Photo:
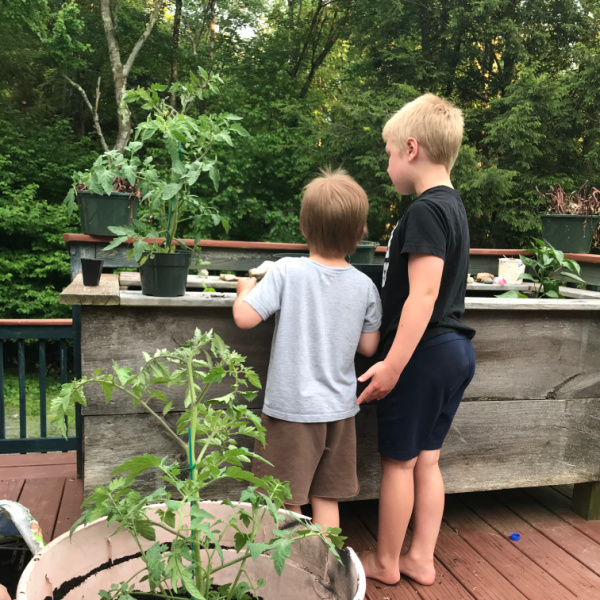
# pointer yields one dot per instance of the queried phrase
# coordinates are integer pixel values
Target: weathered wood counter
(530, 417)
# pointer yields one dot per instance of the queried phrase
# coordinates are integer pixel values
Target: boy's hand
(245, 285)
(383, 379)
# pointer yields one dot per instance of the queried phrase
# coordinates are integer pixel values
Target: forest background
(314, 81)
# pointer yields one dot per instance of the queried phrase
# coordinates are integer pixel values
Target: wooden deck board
(567, 570)
(70, 506)
(446, 585)
(562, 533)
(504, 555)
(42, 497)
(557, 558)
(560, 506)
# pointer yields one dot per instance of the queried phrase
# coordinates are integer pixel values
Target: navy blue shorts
(417, 414)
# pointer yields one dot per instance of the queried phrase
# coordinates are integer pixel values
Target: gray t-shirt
(320, 313)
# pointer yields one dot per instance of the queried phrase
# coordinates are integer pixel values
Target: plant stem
(192, 465)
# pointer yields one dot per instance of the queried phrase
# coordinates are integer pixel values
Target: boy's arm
(368, 343)
(424, 276)
(244, 315)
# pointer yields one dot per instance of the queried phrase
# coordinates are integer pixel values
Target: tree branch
(138, 45)
(93, 109)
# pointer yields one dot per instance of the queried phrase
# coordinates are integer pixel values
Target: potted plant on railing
(572, 219)
(547, 268)
(105, 194)
(171, 543)
(172, 149)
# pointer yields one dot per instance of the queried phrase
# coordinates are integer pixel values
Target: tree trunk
(121, 71)
(175, 47)
(213, 34)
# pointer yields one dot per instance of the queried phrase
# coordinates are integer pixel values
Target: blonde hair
(334, 211)
(434, 122)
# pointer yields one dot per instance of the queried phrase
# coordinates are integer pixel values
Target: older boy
(428, 356)
(326, 311)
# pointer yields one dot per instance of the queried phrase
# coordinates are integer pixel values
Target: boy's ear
(412, 148)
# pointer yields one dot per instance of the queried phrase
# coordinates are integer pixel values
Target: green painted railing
(41, 331)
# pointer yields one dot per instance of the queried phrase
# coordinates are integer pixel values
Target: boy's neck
(328, 261)
(432, 176)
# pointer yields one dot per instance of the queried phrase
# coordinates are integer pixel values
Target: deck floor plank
(11, 489)
(70, 506)
(557, 558)
(562, 507)
(502, 554)
(573, 575)
(446, 585)
(42, 497)
(562, 533)
(26, 460)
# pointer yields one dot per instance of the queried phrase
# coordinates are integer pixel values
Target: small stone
(489, 280)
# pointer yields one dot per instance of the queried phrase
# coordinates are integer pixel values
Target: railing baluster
(64, 377)
(40, 331)
(22, 390)
(42, 379)
(2, 409)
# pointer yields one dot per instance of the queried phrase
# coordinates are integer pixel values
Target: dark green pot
(570, 233)
(364, 253)
(165, 274)
(98, 213)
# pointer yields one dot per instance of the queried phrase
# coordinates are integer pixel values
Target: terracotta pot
(77, 567)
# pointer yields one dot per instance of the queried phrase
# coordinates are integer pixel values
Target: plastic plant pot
(98, 213)
(91, 269)
(570, 233)
(165, 275)
(364, 253)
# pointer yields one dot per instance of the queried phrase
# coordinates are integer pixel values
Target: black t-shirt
(434, 223)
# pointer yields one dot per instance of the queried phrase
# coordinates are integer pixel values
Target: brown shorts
(318, 459)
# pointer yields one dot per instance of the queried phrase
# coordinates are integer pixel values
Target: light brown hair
(434, 122)
(334, 211)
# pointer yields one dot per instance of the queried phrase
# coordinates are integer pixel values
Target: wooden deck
(557, 557)
(47, 485)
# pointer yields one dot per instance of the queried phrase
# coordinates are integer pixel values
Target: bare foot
(375, 570)
(423, 573)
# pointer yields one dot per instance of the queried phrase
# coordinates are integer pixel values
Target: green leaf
(171, 190)
(215, 375)
(108, 390)
(213, 173)
(257, 549)
(146, 530)
(253, 379)
(281, 554)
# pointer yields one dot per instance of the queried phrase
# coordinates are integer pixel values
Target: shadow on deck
(557, 557)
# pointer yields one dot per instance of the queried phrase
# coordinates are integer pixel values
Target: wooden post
(586, 500)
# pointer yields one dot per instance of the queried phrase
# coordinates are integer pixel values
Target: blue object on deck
(515, 537)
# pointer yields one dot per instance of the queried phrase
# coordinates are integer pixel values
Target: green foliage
(206, 431)
(166, 188)
(547, 269)
(316, 81)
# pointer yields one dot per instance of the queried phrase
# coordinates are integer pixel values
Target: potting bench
(529, 417)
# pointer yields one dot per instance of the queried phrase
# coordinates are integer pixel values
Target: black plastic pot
(570, 233)
(91, 269)
(98, 213)
(165, 274)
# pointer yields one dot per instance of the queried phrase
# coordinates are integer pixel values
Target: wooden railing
(42, 331)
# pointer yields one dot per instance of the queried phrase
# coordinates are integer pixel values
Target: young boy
(325, 311)
(428, 356)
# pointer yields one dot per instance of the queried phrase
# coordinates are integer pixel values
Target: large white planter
(77, 567)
